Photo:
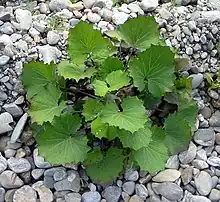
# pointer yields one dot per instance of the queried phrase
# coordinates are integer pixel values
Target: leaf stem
(75, 90)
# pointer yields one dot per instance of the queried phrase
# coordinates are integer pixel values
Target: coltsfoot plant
(115, 102)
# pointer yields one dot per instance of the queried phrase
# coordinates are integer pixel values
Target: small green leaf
(154, 69)
(137, 140)
(36, 76)
(153, 157)
(100, 130)
(132, 118)
(139, 32)
(107, 168)
(60, 143)
(183, 83)
(178, 133)
(84, 41)
(109, 65)
(116, 80)
(45, 105)
(74, 71)
(91, 109)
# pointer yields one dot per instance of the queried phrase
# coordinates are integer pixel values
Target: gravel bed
(38, 30)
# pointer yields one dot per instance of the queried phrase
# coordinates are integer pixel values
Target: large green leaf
(36, 76)
(109, 65)
(60, 143)
(74, 71)
(153, 157)
(106, 169)
(100, 130)
(178, 133)
(45, 105)
(137, 140)
(139, 32)
(84, 41)
(115, 80)
(91, 109)
(132, 118)
(154, 69)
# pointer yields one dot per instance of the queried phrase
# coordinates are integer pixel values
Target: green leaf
(137, 140)
(107, 168)
(115, 80)
(178, 133)
(183, 83)
(36, 76)
(109, 65)
(132, 118)
(74, 71)
(154, 69)
(153, 157)
(60, 143)
(91, 109)
(84, 41)
(139, 32)
(45, 105)
(37, 129)
(100, 130)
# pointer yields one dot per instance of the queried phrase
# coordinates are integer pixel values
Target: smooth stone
(59, 174)
(44, 193)
(58, 5)
(141, 191)
(168, 175)
(49, 182)
(4, 59)
(5, 120)
(214, 195)
(91, 196)
(201, 155)
(187, 156)
(72, 182)
(173, 162)
(211, 16)
(13, 109)
(10, 180)
(196, 80)
(73, 197)
(205, 137)
(200, 164)
(206, 112)
(186, 175)
(25, 194)
(194, 198)
(24, 18)
(39, 160)
(19, 165)
(19, 128)
(3, 163)
(149, 5)
(136, 198)
(203, 183)
(214, 161)
(3, 95)
(93, 17)
(214, 121)
(169, 190)
(128, 187)
(119, 18)
(37, 173)
(131, 175)
(112, 193)
(53, 38)
(2, 194)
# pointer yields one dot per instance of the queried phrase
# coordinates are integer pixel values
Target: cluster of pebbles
(37, 30)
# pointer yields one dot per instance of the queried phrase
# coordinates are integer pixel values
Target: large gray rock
(112, 193)
(141, 191)
(72, 182)
(168, 175)
(24, 18)
(203, 182)
(19, 128)
(211, 16)
(13, 109)
(119, 18)
(194, 198)
(169, 190)
(91, 196)
(44, 193)
(214, 121)
(187, 156)
(5, 120)
(10, 180)
(205, 137)
(19, 165)
(149, 5)
(25, 194)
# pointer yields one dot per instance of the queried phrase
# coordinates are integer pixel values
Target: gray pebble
(129, 187)
(44, 193)
(112, 193)
(214, 195)
(52, 38)
(91, 196)
(215, 119)
(73, 197)
(205, 137)
(214, 161)
(141, 191)
(39, 160)
(10, 180)
(13, 109)
(25, 194)
(131, 175)
(196, 80)
(4, 60)
(37, 173)
(3, 163)
(203, 182)
(19, 165)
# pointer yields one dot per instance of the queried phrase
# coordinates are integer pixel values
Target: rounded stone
(19, 165)
(203, 183)
(25, 194)
(91, 196)
(169, 175)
